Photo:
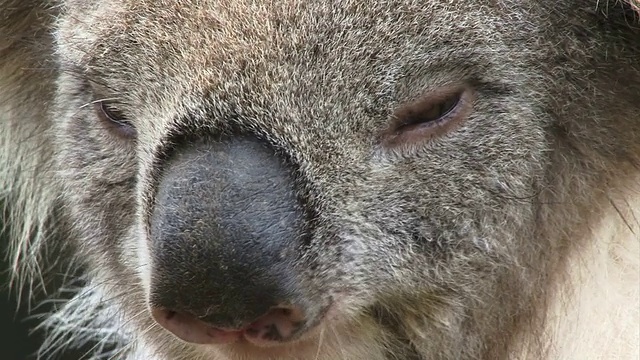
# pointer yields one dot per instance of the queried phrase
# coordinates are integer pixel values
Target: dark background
(15, 342)
(18, 341)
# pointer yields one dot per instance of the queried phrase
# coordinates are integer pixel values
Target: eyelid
(415, 118)
(113, 120)
(406, 131)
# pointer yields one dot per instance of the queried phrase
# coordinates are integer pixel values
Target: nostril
(191, 329)
(279, 324)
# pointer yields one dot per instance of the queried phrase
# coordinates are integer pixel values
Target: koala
(339, 179)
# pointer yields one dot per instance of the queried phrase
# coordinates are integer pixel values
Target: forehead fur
(299, 64)
(288, 58)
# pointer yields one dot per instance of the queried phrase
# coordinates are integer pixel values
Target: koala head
(336, 179)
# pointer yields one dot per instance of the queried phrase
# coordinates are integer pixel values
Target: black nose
(224, 232)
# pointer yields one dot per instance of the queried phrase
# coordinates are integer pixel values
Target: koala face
(329, 179)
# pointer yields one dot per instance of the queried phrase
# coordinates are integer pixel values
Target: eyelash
(115, 121)
(429, 117)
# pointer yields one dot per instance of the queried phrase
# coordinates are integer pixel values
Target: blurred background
(15, 342)
(18, 341)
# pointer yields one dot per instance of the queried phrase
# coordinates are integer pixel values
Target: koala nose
(224, 231)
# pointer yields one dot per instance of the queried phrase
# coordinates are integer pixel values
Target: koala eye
(431, 116)
(114, 120)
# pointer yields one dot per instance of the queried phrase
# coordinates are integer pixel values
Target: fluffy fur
(514, 236)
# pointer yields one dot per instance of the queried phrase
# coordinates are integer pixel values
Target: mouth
(281, 327)
(259, 340)
(246, 346)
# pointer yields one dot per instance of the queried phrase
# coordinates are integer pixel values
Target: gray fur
(447, 249)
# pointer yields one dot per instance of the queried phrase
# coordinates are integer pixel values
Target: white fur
(596, 314)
